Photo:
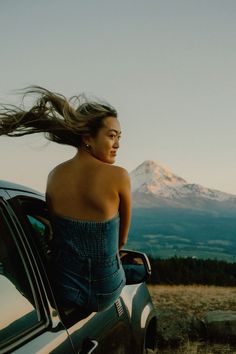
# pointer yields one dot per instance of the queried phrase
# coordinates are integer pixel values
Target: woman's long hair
(57, 117)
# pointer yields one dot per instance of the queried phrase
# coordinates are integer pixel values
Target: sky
(167, 66)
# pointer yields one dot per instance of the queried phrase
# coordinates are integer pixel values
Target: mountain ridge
(156, 186)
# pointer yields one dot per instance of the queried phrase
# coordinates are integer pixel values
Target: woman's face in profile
(105, 144)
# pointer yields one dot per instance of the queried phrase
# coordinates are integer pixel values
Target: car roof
(6, 185)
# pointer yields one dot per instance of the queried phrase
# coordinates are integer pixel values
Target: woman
(88, 198)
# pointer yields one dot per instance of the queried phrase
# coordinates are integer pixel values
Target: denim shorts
(93, 284)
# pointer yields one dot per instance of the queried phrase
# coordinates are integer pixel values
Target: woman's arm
(124, 207)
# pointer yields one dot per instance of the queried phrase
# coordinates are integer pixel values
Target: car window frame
(31, 271)
(19, 204)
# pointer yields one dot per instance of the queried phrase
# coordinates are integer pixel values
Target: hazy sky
(169, 68)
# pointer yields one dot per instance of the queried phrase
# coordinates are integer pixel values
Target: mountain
(154, 186)
(172, 217)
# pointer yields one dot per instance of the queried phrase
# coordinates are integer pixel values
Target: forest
(186, 271)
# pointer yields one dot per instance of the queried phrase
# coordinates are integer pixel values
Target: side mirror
(136, 266)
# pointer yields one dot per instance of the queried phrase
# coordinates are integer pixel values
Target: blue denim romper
(87, 268)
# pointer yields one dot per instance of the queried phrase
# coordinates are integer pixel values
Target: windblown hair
(55, 116)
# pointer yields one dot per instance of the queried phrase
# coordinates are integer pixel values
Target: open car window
(20, 313)
(34, 217)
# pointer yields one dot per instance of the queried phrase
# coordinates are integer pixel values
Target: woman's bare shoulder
(119, 172)
(58, 171)
(114, 168)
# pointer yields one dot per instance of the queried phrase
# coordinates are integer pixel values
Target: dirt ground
(196, 300)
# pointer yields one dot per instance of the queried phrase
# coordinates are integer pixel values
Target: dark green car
(31, 318)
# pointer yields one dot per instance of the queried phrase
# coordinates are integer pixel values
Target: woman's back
(84, 201)
(85, 189)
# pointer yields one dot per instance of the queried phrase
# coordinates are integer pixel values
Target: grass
(196, 300)
(200, 348)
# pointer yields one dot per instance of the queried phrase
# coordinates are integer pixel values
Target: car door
(27, 322)
(110, 329)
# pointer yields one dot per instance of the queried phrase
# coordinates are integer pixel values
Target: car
(32, 319)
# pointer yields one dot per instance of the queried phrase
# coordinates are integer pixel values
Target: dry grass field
(196, 300)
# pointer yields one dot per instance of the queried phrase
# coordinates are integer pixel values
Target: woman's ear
(88, 141)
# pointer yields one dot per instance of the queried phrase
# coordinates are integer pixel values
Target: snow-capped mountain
(154, 185)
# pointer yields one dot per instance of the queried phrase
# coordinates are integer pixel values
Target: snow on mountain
(150, 176)
(154, 185)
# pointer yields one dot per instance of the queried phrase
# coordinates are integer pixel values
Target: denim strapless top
(88, 270)
(97, 240)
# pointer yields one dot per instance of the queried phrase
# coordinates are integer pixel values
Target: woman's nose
(116, 144)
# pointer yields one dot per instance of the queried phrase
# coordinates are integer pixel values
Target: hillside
(165, 232)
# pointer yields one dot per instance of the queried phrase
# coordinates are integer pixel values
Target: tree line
(190, 270)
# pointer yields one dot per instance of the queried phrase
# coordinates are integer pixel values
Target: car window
(42, 232)
(18, 312)
(34, 218)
